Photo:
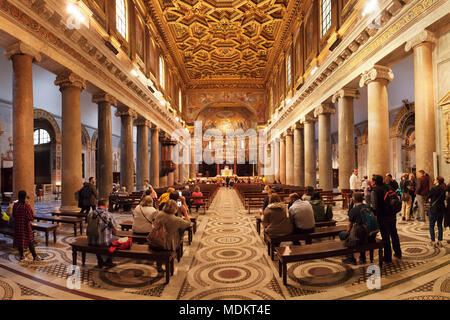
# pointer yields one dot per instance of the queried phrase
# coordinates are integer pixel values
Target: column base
(69, 209)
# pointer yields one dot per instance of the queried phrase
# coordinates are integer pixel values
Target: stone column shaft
(22, 58)
(192, 168)
(299, 157)
(346, 141)
(71, 86)
(155, 157)
(142, 161)
(377, 80)
(105, 171)
(283, 159)
(276, 152)
(422, 45)
(289, 157)
(310, 152)
(171, 174)
(324, 112)
(126, 148)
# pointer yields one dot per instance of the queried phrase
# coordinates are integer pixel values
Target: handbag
(158, 236)
(121, 244)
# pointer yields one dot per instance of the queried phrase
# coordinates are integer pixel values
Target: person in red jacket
(422, 189)
(197, 197)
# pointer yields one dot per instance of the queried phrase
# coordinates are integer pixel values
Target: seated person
(143, 215)
(183, 210)
(197, 198)
(101, 227)
(275, 220)
(318, 207)
(187, 194)
(267, 190)
(123, 192)
(355, 218)
(301, 215)
(164, 197)
(308, 193)
(174, 225)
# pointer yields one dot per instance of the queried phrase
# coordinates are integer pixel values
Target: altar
(226, 172)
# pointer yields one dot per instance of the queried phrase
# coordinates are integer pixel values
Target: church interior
(226, 99)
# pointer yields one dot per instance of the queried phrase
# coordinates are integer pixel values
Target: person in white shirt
(143, 215)
(354, 182)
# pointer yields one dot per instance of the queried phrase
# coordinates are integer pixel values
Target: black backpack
(85, 192)
(392, 202)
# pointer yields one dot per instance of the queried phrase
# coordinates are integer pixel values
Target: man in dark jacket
(87, 196)
(393, 184)
(422, 189)
(386, 220)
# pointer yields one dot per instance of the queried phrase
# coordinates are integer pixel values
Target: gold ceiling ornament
(218, 40)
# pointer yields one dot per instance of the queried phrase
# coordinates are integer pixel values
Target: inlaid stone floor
(227, 260)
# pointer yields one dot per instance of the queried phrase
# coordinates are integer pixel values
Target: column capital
(154, 127)
(420, 38)
(324, 109)
(345, 92)
(298, 125)
(283, 136)
(307, 118)
(142, 122)
(125, 111)
(289, 132)
(376, 73)
(104, 97)
(21, 48)
(70, 79)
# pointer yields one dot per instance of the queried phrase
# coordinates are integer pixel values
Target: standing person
(101, 227)
(23, 234)
(405, 186)
(392, 183)
(422, 189)
(437, 210)
(354, 183)
(386, 220)
(227, 180)
(275, 220)
(197, 198)
(367, 187)
(412, 193)
(88, 196)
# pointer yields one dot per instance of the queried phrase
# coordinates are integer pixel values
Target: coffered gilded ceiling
(222, 40)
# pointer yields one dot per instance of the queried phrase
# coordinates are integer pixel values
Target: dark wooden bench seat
(128, 225)
(75, 214)
(69, 220)
(319, 224)
(44, 227)
(137, 251)
(289, 254)
(273, 242)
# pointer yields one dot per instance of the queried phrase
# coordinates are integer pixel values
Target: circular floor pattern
(235, 254)
(127, 276)
(323, 273)
(227, 224)
(228, 230)
(6, 291)
(420, 251)
(419, 228)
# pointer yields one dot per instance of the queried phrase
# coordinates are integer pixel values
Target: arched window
(288, 71)
(41, 136)
(326, 16)
(161, 72)
(121, 18)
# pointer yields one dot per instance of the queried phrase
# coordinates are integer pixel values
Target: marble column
(22, 58)
(192, 167)
(376, 80)
(105, 171)
(276, 153)
(346, 141)
(283, 158)
(126, 147)
(155, 157)
(142, 161)
(422, 45)
(299, 156)
(171, 174)
(323, 112)
(71, 86)
(310, 150)
(289, 157)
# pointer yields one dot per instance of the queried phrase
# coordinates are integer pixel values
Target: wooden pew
(76, 214)
(137, 251)
(319, 224)
(126, 226)
(290, 254)
(325, 232)
(44, 227)
(69, 220)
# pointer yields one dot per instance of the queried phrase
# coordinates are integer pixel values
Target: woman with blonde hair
(143, 216)
(164, 197)
(174, 225)
(183, 210)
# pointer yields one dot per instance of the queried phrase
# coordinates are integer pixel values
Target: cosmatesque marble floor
(226, 260)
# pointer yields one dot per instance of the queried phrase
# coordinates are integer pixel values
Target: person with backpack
(101, 228)
(320, 212)
(422, 189)
(437, 210)
(405, 186)
(362, 228)
(87, 196)
(386, 204)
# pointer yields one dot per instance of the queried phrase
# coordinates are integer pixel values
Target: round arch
(45, 115)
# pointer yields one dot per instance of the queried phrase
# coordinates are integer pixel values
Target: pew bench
(63, 219)
(319, 224)
(290, 254)
(75, 214)
(128, 225)
(44, 227)
(137, 252)
(325, 232)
